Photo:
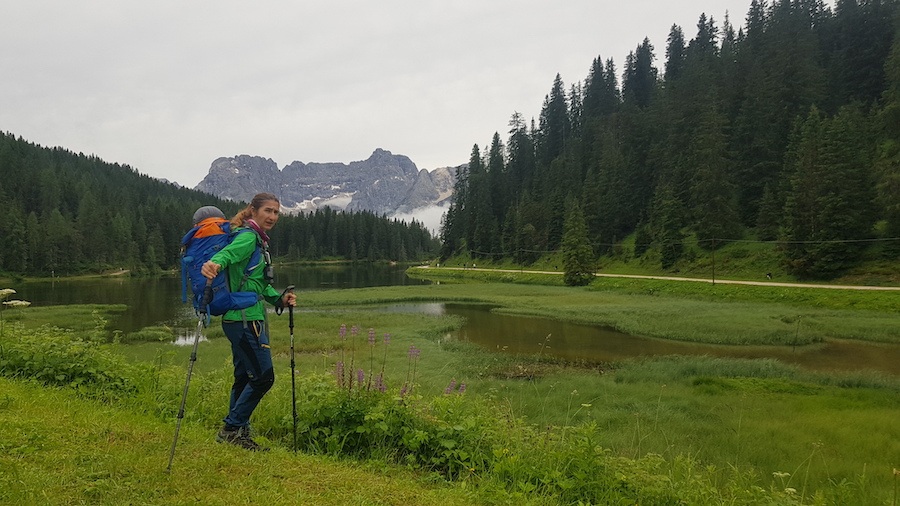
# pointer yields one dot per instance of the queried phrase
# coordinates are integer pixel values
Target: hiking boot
(239, 436)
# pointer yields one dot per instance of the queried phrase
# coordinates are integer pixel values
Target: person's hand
(289, 299)
(210, 269)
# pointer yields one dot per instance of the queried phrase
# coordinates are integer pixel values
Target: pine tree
(498, 182)
(769, 219)
(859, 38)
(520, 164)
(829, 207)
(675, 54)
(554, 123)
(888, 159)
(578, 257)
(481, 224)
(15, 247)
(594, 89)
(639, 81)
(665, 224)
(34, 244)
(713, 194)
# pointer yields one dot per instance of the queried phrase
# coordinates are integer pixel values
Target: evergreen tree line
(786, 129)
(68, 213)
(356, 236)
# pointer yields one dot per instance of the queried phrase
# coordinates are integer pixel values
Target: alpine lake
(158, 301)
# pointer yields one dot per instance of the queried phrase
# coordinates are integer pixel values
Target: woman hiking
(247, 329)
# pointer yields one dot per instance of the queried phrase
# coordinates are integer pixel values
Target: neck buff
(255, 226)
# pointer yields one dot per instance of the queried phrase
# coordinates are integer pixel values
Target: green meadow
(99, 408)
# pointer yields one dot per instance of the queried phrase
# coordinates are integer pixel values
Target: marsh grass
(107, 453)
(77, 317)
(704, 314)
(149, 334)
(695, 429)
(757, 417)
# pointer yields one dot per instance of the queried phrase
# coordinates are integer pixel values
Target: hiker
(248, 329)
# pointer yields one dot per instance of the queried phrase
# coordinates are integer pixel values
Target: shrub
(448, 435)
(57, 357)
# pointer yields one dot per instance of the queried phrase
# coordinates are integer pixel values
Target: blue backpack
(201, 242)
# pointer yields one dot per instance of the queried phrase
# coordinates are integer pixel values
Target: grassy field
(58, 448)
(713, 430)
(719, 314)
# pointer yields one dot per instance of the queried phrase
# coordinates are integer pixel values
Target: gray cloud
(169, 86)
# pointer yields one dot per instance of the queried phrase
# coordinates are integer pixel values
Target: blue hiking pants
(253, 373)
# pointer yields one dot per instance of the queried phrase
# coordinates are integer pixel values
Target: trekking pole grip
(290, 289)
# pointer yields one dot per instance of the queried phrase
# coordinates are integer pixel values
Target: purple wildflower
(379, 383)
(371, 337)
(451, 387)
(414, 352)
(343, 331)
(354, 330)
(339, 373)
(387, 338)
(462, 388)
(360, 376)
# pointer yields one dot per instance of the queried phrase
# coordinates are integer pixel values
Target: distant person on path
(247, 329)
(768, 275)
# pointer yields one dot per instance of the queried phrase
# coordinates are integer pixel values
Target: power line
(699, 241)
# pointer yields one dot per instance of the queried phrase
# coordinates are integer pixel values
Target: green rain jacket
(234, 259)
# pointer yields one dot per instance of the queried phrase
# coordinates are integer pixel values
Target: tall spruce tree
(640, 79)
(675, 54)
(578, 256)
(520, 165)
(829, 208)
(888, 160)
(481, 225)
(554, 123)
(666, 220)
(713, 194)
(498, 185)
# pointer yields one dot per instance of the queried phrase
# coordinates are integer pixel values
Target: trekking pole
(207, 297)
(293, 382)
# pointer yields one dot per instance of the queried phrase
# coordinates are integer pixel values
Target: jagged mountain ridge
(384, 183)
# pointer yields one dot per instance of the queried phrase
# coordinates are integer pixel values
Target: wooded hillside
(68, 213)
(785, 129)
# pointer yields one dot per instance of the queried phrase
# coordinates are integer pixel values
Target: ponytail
(242, 215)
(246, 213)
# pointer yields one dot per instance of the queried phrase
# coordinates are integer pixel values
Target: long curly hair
(258, 201)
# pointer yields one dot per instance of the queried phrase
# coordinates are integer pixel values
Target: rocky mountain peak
(384, 183)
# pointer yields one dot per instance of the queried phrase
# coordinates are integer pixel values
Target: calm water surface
(154, 301)
(527, 335)
(158, 301)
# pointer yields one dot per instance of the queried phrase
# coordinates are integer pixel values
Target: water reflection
(186, 337)
(574, 342)
(157, 301)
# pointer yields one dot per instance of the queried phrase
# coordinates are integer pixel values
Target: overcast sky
(168, 86)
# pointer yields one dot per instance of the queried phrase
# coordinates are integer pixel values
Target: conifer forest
(68, 213)
(784, 128)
